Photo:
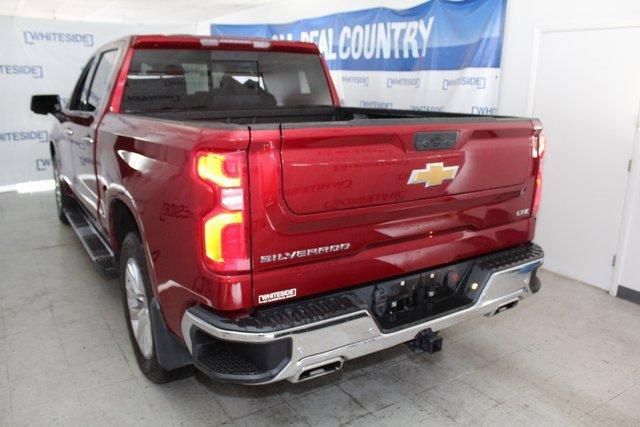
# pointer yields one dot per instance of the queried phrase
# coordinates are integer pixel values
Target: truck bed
(313, 116)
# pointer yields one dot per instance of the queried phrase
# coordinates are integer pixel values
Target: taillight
(540, 145)
(224, 229)
(539, 148)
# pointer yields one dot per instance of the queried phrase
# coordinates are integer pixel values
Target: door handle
(87, 139)
(68, 131)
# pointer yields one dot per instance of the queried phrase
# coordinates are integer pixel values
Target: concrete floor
(570, 355)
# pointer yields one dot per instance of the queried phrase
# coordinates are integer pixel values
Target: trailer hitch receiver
(426, 341)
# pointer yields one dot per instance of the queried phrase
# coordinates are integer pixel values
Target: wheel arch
(122, 221)
(170, 350)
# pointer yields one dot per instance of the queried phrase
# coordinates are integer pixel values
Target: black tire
(132, 249)
(63, 201)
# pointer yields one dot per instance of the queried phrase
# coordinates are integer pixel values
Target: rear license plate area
(397, 303)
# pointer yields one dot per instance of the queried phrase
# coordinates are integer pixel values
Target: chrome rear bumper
(323, 346)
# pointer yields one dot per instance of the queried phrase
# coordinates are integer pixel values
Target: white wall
(287, 11)
(42, 57)
(527, 24)
(524, 16)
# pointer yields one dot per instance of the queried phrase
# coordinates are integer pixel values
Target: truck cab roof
(185, 41)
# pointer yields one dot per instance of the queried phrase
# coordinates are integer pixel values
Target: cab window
(188, 79)
(97, 92)
(75, 101)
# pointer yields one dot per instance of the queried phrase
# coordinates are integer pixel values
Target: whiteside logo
(275, 296)
(305, 253)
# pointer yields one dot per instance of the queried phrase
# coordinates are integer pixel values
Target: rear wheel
(136, 299)
(63, 200)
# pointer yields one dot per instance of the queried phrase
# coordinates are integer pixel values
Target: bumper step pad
(244, 362)
(510, 258)
(229, 363)
(99, 251)
(286, 317)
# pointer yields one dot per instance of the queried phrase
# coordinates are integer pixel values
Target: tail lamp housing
(225, 228)
(539, 149)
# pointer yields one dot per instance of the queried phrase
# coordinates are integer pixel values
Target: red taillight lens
(540, 146)
(225, 227)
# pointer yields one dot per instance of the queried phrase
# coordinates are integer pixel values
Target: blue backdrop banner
(437, 35)
(442, 55)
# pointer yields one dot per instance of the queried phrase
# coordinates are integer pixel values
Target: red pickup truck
(262, 232)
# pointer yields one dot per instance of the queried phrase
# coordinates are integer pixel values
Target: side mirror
(45, 104)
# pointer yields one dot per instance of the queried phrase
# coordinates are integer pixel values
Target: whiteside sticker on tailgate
(275, 296)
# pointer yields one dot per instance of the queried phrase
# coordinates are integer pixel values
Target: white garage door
(587, 95)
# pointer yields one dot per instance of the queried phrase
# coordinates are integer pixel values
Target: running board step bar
(101, 254)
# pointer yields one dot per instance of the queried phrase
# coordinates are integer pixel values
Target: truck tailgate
(326, 170)
(340, 204)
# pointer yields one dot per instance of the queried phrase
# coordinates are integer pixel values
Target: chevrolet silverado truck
(263, 232)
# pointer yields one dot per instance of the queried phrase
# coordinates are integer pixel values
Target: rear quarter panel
(148, 165)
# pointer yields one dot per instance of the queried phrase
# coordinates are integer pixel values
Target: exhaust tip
(321, 370)
(506, 307)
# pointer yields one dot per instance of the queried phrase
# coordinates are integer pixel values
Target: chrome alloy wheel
(138, 308)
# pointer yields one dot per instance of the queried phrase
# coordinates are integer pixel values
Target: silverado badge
(433, 174)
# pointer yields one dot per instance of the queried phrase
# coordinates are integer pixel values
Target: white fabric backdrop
(44, 57)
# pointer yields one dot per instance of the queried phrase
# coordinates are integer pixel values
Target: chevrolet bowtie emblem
(433, 174)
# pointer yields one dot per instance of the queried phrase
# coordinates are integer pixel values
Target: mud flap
(171, 353)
